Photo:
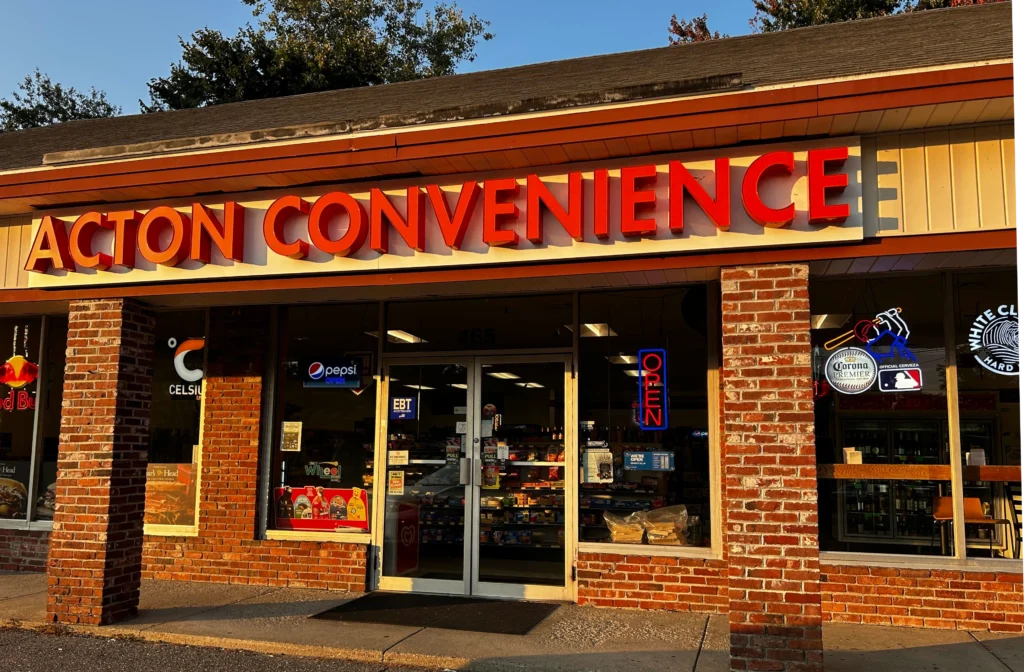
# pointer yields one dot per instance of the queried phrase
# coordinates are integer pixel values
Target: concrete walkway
(275, 620)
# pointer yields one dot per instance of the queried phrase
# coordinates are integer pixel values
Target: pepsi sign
(344, 373)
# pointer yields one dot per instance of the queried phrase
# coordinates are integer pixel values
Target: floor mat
(443, 611)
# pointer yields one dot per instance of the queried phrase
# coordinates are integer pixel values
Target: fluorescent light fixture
(418, 387)
(594, 330)
(502, 375)
(622, 359)
(633, 373)
(399, 336)
(461, 386)
(829, 320)
(530, 386)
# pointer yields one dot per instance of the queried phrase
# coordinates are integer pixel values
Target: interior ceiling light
(622, 359)
(399, 336)
(461, 386)
(633, 373)
(419, 387)
(530, 386)
(829, 320)
(594, 330)
(502, 375)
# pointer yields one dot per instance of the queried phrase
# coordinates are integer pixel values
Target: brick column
(769, 473)
(95, 559)
(231, 423)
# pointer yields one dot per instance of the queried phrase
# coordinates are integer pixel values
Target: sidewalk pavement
(275, 620)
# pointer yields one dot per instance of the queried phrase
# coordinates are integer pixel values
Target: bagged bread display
(667, 526)
(625, 529)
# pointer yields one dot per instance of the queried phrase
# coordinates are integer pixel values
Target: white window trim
(325, 537)
(23, 525)
(930, 563)
(696, 552)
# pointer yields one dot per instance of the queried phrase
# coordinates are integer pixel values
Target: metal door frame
(471, 585)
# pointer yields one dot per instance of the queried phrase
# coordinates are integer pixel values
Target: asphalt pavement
(32, 651)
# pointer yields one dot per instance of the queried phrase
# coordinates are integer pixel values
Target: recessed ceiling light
(622, 359)
(530, 386)
(419, 387)
(829, 320)
(594, 330)
(633, 373)
(399, 336)
(503, 375)
(461, 386)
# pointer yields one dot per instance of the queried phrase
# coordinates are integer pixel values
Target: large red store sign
(781, 197)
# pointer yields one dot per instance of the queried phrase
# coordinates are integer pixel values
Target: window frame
(33, 478)
(713, 343)
(160, 530)
(960, 558)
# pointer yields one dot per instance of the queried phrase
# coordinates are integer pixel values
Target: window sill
(938, 562)
(650, 550)
(171, 530)
(34, 526)
(336, 537)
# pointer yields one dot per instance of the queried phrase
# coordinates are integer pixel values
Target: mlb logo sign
(403, 408)
(900, 380)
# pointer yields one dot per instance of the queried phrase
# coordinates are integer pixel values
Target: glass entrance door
(475, 476)
(427, 477)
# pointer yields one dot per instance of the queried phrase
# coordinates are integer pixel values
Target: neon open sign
(653, 390)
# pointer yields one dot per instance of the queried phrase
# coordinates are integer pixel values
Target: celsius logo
(189, 345)
(316, 370)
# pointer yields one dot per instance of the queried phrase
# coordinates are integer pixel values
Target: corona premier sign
(780, 197)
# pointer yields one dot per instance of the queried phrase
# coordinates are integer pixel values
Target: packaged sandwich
(625, 529)
(667, 526)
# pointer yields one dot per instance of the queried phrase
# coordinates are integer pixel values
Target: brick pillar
(769, 473)
(231, 422)
(95, 559)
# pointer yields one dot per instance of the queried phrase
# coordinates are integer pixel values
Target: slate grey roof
(923, 39)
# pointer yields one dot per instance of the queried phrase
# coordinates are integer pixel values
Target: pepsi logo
(316, 370)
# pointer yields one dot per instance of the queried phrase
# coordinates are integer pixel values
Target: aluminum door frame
(404, 584)
(526, 591)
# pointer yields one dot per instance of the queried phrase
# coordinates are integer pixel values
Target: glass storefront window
(172, 475)
(322, 460)
(508, 323)
(19, 386)
(642, 486)
(51, 396)
(987, 360)
(879, 362)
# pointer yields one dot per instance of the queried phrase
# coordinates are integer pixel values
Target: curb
(253, 645)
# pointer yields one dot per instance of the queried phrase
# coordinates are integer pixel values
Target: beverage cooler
(900, 512)
(891, 511)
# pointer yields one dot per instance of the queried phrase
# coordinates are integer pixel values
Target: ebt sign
(806, 193)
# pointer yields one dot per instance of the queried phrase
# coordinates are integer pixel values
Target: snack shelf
(484, 523)
(502, 508)
(527, 463)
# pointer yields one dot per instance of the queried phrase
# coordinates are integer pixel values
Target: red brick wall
(769, 471)
(23, 550)
(95, 559)
(923, 598)
(227, 550)
(645, 582)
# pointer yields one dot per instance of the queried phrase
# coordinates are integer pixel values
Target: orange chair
(942, 512)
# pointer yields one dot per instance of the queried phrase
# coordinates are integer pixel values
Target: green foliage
(42, 102)
(303, 46)
(771, 16)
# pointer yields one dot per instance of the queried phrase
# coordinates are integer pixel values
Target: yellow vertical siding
(15, 238)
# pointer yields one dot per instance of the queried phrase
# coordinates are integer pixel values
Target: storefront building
(726, 328)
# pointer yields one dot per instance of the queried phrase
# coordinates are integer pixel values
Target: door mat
(443, 611)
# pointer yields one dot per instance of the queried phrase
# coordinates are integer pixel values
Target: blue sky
(118, 45)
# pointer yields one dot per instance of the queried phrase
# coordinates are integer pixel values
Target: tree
(304, 46)
(42, 102)
(694, 30)
(771, 16)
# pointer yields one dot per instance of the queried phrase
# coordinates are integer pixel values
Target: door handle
(465, 471)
